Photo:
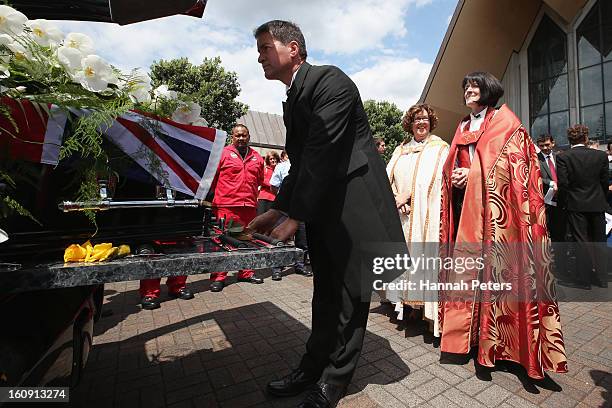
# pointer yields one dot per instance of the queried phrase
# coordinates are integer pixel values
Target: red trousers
(243, 215)
(150, 287)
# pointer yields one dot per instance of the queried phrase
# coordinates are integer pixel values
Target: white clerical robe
(415, 171)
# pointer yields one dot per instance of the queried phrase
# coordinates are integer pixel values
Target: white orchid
(19, 51)
(80, 42)
(187, 113)
(200, 122)
(45, 33)
(95, 74)
(70, 58)
(140, 91)
(11, 21)
(162, 91)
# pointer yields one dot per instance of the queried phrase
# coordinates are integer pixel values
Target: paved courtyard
(220, 350)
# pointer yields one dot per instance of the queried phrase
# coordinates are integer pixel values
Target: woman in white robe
(415, 173)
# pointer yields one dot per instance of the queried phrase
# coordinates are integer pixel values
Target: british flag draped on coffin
(144, 151)
(181, 157)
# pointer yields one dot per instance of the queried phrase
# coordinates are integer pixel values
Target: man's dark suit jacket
(545, 170)
(337, 183)
(583, 179)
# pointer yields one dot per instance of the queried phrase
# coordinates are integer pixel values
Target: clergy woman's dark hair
(285, 32)
(490, 87)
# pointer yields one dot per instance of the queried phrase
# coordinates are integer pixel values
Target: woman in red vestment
(493, 208)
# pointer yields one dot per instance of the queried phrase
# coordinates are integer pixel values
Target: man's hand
(553, 185)
(265, 222)
(459, 177)
(286, 230)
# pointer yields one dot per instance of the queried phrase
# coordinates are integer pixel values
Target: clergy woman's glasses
(421, 119)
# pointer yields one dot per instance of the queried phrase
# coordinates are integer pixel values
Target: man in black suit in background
(338, 186)
(556, 218)
(583, 183)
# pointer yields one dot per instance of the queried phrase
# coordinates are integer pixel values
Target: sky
(386, 46)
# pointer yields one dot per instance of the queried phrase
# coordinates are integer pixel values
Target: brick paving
(220, 350)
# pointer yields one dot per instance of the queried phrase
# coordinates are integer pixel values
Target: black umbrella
(109, 11)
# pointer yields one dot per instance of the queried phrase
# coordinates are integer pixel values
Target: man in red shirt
(236, 184)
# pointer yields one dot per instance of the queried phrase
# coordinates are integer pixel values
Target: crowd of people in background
(244, 186)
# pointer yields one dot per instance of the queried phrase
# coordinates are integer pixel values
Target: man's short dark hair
(545, 138)
(237, 125)
(378, 141)
(285, 32)
(490, 87)
(578, 134)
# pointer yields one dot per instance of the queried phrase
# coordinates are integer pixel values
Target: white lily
(80, 42)
(187, 113)
(200, 122)
(95, 74)
(162, 91)
(140, 91)
(45, 33)
(70, 58)
(11, 21)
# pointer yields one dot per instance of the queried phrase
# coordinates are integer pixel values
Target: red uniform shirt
(266, 192)
(237, 180)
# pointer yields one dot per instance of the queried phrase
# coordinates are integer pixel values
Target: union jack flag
(181, 157)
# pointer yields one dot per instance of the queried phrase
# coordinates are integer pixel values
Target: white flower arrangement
(37, 51)
(39, 63)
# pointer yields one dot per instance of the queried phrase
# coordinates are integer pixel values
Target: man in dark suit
(583, 183)
(556, 218)
(338, 186)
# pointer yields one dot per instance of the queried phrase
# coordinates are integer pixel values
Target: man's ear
(295, 49)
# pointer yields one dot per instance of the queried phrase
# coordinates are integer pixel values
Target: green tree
(385, 121)
(209, 84)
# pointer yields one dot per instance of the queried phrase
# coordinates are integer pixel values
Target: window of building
(594, 43)
(548, 82)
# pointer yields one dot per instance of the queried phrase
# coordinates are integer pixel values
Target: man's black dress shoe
(217, 286)
(302, 271)
(575, 285)
(599, 283)
(252, 279)
(292, 384)
(183, 293)
(323, 395)
(149, 303)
